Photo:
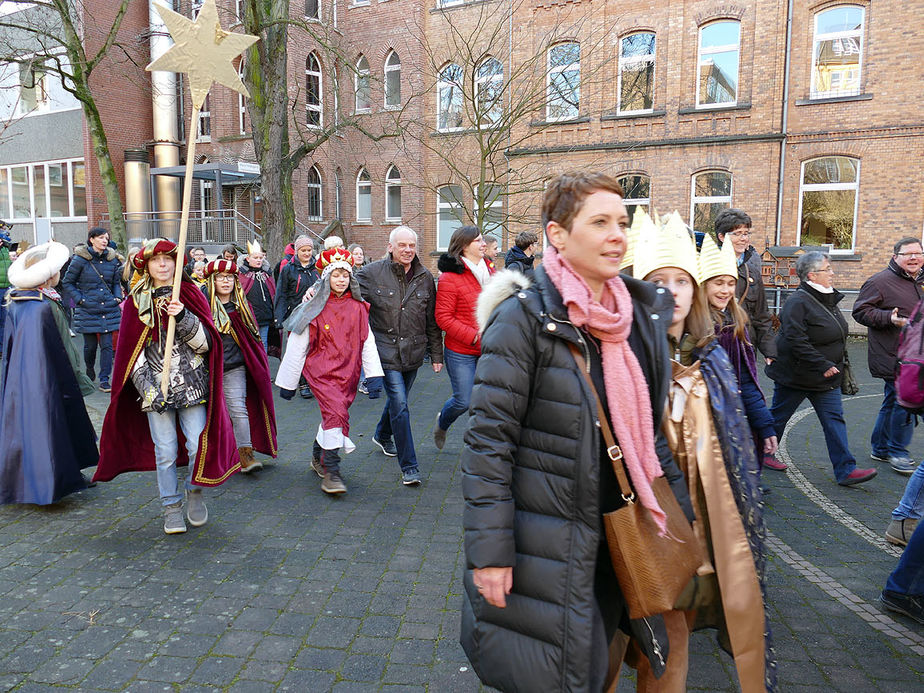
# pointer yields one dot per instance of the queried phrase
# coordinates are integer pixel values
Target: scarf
(480, 270)
(610, 321)
(819, 288)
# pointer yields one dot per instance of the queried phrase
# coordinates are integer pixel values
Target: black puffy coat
(294, 280)
(94, 282)
(812, 338)
(531, 476)
(752, 295)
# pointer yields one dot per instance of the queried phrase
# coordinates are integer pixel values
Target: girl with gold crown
(709, 436)
(257, 282)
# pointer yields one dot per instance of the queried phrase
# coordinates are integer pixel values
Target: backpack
(909, 365)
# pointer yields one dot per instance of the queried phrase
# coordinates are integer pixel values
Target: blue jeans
(264, 335)
(461, 369)
(166, 442)
(396, 419)
(908, 577)
(911, 506)
(104, 340)
(830, 411)
(894, 426)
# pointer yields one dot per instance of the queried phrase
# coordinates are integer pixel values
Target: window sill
(834, 99)
(454, 131)
(235, 138)
(393, 108)
(456, 5)
(845, 256)
(363, 222)
(569, 121)
(362, 111)
(629, 116)
(689, 110)
(393, 221)
(359, 4)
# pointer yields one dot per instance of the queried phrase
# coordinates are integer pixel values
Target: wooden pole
(181, 241)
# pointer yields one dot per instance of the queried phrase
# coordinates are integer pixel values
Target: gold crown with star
(670, 245)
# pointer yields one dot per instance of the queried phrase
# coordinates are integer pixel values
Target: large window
(393, 195)
(637, 187)
(315, 195)
(449, 213)
(449, 98)
(837, 53)
(564, 82)
(392, 80)
(312, 9)
(241, 103)
(712, 192)
(489, 86)
(636, 73)
(828, 207)
(362, 85)
(314, 115)
(363, 196)
(34, 86)
(204, 130)
(54, 189)
(719, 48)
(493, 203)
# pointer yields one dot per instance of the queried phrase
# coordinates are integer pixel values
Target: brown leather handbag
(652, 570)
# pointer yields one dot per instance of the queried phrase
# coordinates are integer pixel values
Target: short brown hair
(907, 240)
(565, 195)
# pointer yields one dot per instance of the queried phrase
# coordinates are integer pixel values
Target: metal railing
(206, 226)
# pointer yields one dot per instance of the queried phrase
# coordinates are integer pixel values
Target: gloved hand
(286, 394)
(159, 404)
(375, 386)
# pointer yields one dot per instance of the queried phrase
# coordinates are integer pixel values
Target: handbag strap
(613, 451)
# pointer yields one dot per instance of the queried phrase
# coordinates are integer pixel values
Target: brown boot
(248, 463)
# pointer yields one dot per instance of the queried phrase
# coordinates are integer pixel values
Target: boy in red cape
(247, 386)
(142, 429)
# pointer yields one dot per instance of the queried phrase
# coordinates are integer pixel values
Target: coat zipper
(654, 641)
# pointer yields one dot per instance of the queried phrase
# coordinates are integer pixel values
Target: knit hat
(218, 266)
(150, 248)
(714, 262)
(37, 265)
(334, 258)
(301, 242)
(333, 242)
(668, 246)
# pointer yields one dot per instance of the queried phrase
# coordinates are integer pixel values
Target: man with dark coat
(522, 255)
(884, 303)
(402, 297)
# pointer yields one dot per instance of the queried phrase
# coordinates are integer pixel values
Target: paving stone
(301, 680)
(217, 670)
(112, 673)
(326, 659)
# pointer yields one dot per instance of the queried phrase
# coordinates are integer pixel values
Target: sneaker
(902, 465)
(105, 387)
(333, 484)
(305, 392)
(439, 435)
(900, 531)
(858, 476)
(362, 388)
(196, 512)
(771, 462)
(411, 478)
(173, 518)
(910, 606)
(878, 458)
(317, 466)
(388, 447)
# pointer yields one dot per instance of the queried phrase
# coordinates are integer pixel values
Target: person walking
(883, 305)
(904, 590)
(94, 283)
(811, 348)
(402, 296)
(260, 289)
(522, 255)
(295, 279)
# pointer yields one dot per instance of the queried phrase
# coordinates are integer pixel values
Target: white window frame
(486, 80)
(239, 10)
(637, 201)
(319, 106)
(632, 62)
(443, 84)
(367, 185)
(315, 17)
(450, 3)
(440, 206)
(319, 188)
(856, 34)
(550, 71)
(498, 203)
(360, 3)
(700, 53)
(42, 105)
(205, 116)
(362, 73)
(392, 182)
(241, 103)
(194, 7)
(30, 182)
(709, 199)
(392, 68)
(823, 187)
(333, 13)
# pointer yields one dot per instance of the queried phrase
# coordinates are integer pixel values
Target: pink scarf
(627, 393)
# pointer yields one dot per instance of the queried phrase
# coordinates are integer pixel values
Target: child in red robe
(330, 342)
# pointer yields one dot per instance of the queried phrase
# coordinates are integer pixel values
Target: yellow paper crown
(714, 262)
(668, 246)
(632, 238)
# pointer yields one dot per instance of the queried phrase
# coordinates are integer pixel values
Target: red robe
(126, 444)
(260, 409)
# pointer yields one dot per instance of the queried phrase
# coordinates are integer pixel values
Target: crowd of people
(625, 322)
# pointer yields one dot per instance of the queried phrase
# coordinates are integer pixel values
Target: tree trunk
(107, 174)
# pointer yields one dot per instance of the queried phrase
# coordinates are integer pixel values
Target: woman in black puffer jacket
(93, 281)
(541, 603)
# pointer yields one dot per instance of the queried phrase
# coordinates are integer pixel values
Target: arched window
(637, 187)
(828, 201)
(363, 196)
(837, 55)
(719, 50)
(392, 80)
(449, 213)
(489, 86)
(315, 197)
(449, 98)
(492, 202)
(712, 192)
(314, 111)
(393, 195)
(312, 9)
(241, 102)
(362, 85)
(636, 73)
(564, 82)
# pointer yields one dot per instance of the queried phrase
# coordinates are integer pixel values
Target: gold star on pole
(203, 50)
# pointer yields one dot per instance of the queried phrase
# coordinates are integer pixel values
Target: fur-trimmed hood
(502, 286)
(83, 250)
(450, 263)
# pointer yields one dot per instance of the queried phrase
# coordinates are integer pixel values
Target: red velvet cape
(260, 409)
(126, 444)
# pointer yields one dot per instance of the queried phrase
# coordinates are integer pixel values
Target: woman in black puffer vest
(93, 281)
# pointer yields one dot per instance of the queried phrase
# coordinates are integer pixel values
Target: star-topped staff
(204, 52)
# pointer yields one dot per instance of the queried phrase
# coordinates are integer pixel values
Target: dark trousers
(396, 419)
(330, 459)
(90, 342)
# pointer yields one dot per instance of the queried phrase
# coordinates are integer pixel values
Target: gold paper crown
(254, 247)
(632, 238)
(714, 262)
(668, 246)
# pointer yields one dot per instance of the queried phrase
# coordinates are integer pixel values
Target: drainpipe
(166, 136)
(137, 195)
(784, 125)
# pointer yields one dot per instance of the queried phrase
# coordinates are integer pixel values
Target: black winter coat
(752, 295)
(531, 476)
(294, 280)
(518, 260)
(812, 338)
(885, 290)
(94, 283)
(401, 313)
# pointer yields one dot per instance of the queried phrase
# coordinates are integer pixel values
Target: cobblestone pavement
(286, 589)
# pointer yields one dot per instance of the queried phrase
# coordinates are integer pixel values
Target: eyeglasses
(825, 269)
(740, 234)
(911, 255)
